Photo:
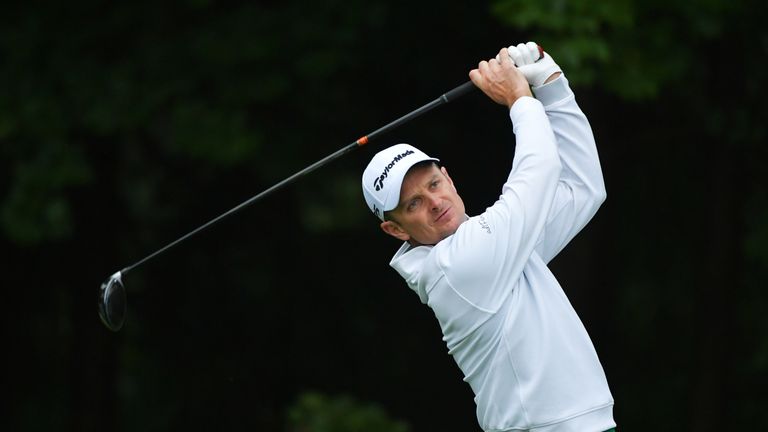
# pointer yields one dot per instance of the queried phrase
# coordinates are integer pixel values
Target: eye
(434, 184)
(414, 204)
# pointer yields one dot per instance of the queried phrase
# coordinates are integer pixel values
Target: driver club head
(112, 303)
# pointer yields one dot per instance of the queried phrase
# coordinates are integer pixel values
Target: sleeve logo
(484, 224)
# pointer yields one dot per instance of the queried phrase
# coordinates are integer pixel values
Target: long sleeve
(581, 189)
(505, 319)
(498, 243)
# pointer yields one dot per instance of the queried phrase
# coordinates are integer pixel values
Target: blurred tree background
(125, 125)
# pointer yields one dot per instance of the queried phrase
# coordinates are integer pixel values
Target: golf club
(112, 296)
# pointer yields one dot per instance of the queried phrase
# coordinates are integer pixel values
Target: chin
(448, 233)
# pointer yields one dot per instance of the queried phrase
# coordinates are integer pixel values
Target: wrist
(554, 91)
(518, 93)
(520, 102)
(522, 108)
(553, 77)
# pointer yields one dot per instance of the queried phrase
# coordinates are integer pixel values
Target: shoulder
(468, 255)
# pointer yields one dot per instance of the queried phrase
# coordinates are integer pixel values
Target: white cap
(384, 176)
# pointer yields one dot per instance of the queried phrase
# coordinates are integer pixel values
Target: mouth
(441, 217)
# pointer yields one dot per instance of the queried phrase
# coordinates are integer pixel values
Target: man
(504, 317)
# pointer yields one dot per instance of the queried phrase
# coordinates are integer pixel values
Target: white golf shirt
(504, 317)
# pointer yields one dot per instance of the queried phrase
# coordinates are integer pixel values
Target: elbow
(599, 195)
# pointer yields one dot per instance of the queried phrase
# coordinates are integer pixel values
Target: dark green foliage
(125, 124)
(314, 412)
(689, 196)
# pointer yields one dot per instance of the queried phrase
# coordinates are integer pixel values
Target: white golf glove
(535, 70)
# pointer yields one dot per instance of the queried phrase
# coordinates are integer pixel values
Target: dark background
(123, 125)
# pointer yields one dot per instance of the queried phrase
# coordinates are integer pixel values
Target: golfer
(504, 317)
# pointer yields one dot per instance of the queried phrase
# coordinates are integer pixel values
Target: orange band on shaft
(362, 141)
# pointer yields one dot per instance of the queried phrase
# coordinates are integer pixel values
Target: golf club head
(112, 304)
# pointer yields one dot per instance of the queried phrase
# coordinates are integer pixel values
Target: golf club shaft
(443, 99)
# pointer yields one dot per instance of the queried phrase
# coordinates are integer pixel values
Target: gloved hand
(535, 70)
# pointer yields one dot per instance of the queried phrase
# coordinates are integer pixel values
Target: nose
(435, 203)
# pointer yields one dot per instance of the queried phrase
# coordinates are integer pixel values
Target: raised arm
(526, 196)
(580, 189)
(488, 253)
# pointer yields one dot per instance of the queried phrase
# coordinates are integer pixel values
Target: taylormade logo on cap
(384, 176)
(379, 182)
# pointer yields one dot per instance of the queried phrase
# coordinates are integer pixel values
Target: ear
(395, 230)
(450, 181)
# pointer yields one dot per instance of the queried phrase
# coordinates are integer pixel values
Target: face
(430, 209)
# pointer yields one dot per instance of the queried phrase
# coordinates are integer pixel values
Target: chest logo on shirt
(484, 224)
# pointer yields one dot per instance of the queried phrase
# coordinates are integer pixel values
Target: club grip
(458, 91)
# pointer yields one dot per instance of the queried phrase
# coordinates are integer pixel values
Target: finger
(477, 78)
(494, 64)
(525, 53)
(516, 56)
(504, 57)
(533, 48)
(483, 68)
